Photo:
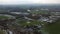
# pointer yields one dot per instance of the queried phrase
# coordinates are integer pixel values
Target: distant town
(28, 19)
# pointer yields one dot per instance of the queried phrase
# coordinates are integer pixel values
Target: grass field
(4, 17)
(25, 22)
(40, 12)
(53, 28)
(2, 32)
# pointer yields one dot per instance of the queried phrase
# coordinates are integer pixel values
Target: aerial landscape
(28, 18)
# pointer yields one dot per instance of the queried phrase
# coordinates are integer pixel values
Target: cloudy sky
(29, 1)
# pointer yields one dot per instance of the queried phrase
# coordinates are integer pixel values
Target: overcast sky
(29, 1)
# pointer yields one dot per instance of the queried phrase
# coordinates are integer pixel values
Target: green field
(53, 28)
(4, 17)
(2, 32)
(24, 22)
(40, 12)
